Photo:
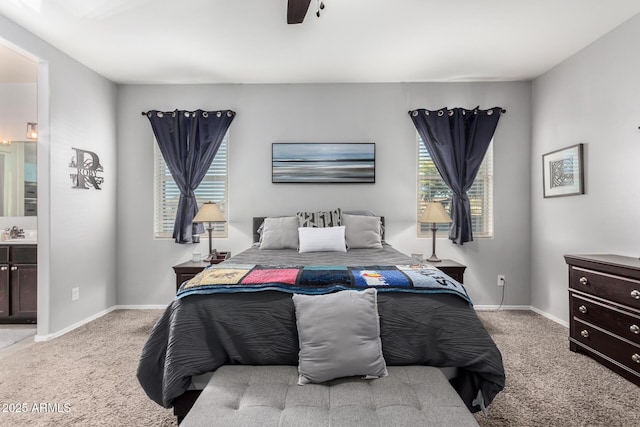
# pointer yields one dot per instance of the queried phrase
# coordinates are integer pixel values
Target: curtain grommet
(450, 113)
(219, 114)
(229, 114)
(489, 112)
(440, 113)
(426, 112)
(205, 114)
(414, 113)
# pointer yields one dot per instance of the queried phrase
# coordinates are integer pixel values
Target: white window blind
(213, 188)
(432, 187)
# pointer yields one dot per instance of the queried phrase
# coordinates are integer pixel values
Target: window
(212, 188)
(432, 187)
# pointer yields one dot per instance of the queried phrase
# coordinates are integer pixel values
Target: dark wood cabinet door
(24, 290)
(4, 290)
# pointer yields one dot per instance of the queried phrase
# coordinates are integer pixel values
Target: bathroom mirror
(18, 186)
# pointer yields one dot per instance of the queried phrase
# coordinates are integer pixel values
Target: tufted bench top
(243, 396)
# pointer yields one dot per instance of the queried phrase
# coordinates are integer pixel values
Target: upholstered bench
(265, 396)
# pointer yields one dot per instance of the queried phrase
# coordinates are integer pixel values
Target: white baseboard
(522, 307)
(48, 337)
(501, 307)
(140, 307)
(550, 317)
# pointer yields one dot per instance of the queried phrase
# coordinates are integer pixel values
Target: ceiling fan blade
(296, 11)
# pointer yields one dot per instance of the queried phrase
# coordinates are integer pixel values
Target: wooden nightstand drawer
(451, 268)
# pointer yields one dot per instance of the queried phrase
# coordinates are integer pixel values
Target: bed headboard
(258, 220)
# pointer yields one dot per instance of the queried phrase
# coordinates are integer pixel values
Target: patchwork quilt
(315, 280)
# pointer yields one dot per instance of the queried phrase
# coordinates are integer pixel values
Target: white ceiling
(249, 41)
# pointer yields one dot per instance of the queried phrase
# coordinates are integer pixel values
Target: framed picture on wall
(323, 162)
(563, 172)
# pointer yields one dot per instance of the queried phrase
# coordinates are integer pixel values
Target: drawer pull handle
(585, 334)
(635, 329)
(582, 309)
(584, 280)
(14, 268)
(4, 268)
(635, 294)
(636, 357)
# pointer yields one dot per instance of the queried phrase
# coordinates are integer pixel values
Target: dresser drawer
(622, 351)
(612, 318)
(614, 288)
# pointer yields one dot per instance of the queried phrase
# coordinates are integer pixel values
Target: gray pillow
(362, 232)
(339, 336)
(279, 233)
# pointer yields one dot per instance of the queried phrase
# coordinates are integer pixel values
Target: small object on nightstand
(196, 257)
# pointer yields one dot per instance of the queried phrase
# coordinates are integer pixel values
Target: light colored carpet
(10, 334)
(92, 371)
(548, 385)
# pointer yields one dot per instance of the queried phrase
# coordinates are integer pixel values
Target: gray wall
(76, 228)
(324, 113)
(591, 98)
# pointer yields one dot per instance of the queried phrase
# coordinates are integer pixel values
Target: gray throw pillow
(339, 336)
(279, 233)
(362, 232)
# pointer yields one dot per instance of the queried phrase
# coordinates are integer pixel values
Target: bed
(201, 331)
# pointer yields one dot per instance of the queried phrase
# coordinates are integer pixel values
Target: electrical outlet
(75, 294)
(501, 280)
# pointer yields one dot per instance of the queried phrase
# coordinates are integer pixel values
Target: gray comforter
(199, 333)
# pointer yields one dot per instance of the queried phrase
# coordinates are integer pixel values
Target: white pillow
(326, 239)
(279, 233)
(339, 336)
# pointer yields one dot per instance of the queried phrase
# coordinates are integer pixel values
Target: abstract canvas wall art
(324, 163)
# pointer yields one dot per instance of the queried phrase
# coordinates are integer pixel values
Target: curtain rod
(145, 113)
(502, 110)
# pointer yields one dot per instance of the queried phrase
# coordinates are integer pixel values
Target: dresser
(604, 311)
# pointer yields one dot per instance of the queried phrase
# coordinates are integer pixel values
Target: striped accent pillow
(320, 219)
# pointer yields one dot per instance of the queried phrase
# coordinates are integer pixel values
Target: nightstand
(450, 267)
(187, 270)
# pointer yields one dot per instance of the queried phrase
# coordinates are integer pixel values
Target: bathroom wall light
(32, 130)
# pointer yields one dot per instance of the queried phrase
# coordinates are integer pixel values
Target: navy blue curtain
(189, 140)
(457, 140)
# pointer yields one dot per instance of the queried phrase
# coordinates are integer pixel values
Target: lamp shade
(434, 213)
(209, 212)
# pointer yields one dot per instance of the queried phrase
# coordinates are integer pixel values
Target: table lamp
(210, 212)
(434, 213)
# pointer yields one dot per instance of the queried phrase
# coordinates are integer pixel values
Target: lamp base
(213, 255)
(434, 258)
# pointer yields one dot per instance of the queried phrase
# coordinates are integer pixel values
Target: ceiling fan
(297, 10)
